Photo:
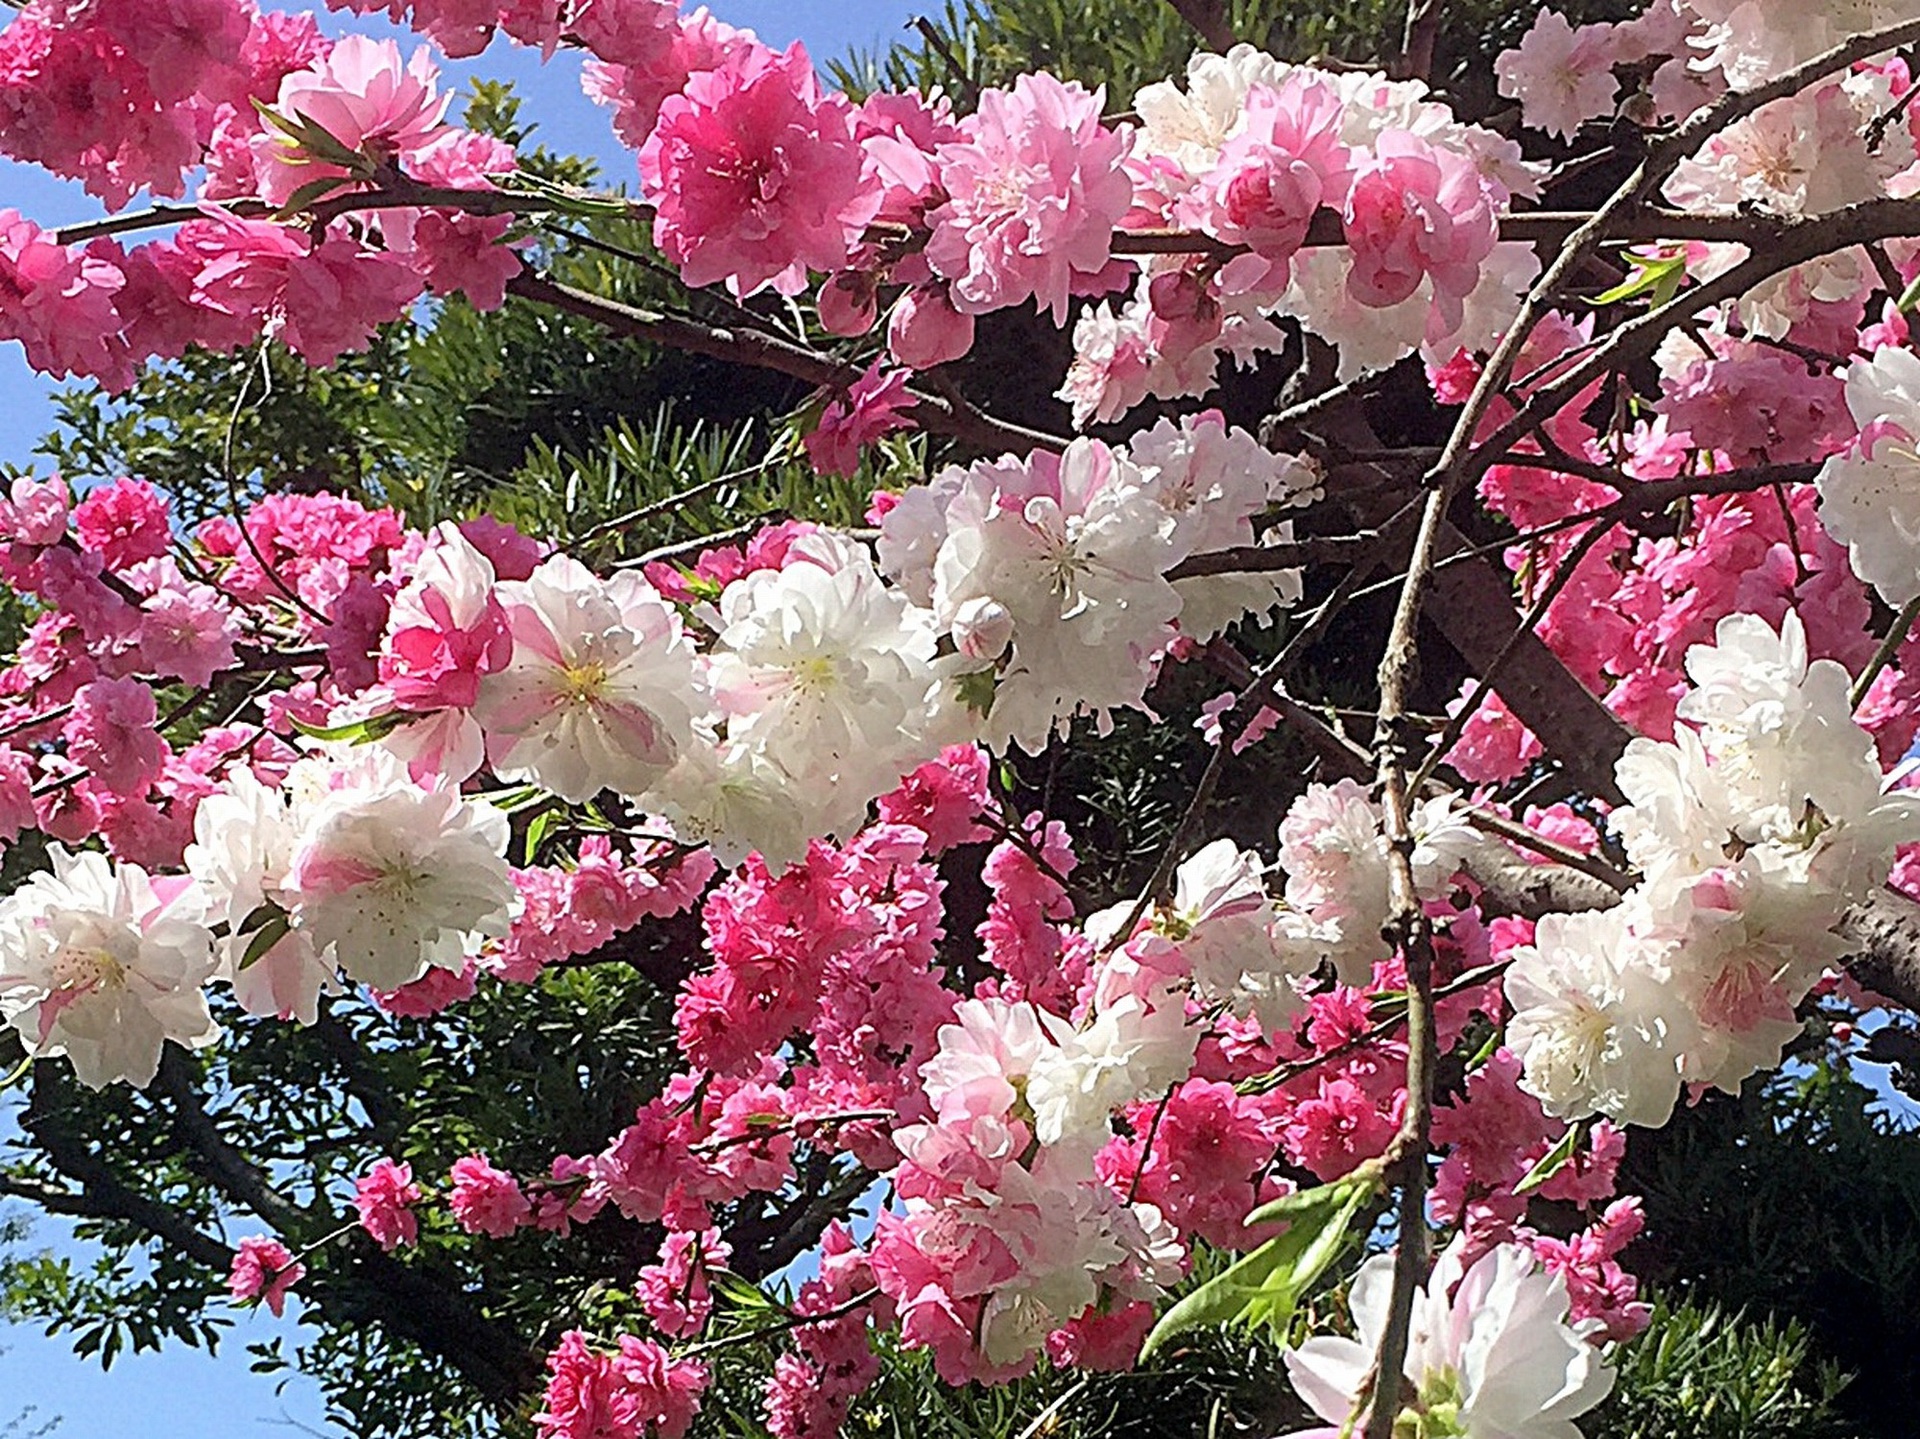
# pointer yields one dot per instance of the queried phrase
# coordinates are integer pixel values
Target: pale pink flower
(1275, 173)
(364, 96)
(925, 329)
(1561, 76)
(1417, 211)
(1036, 185)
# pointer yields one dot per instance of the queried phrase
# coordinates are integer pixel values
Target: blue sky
(182, 1392)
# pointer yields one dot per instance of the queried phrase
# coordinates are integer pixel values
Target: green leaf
(537, 830)
(360, 731)
(1265, 1286)
(739, 1291)
(1657, 275)
(311, 193)
(1909, 299)
(1553, 1161)
(265, 938)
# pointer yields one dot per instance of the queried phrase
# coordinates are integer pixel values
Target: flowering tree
(1609, 428)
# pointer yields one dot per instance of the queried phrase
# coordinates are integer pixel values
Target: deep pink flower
(58, 301)
(1036, 185)
(432, 992)
(384, 1198)
(264, 1269)
(874, 406)
(635, 93)
(485, 1200)
(755, 176)
(124, 522)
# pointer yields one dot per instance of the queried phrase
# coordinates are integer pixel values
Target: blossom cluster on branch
(297, 751)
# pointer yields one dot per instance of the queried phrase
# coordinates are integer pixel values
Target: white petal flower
(1870, 495)
(1075, 550)
(244, 840)
(1491, 1353)
(97, 965)
(601, 689)
(1598, 1024)
(828, 672)
(390, 877)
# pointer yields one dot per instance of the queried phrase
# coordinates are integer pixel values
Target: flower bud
(925, 330)
(848, 304)
(982, 629)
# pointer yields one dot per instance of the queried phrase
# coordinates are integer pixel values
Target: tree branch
(226, 1166)
(937, 414)
(1209, 20)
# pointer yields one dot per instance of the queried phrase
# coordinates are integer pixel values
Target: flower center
(581, 684)
(85, 971)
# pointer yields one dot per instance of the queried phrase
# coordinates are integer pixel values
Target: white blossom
(244, 842)
(1870, 495)
(1491, 1351)
(1334, 851)
(601, 690)
(390, 877)
(101, 965)
(829, 673)
(1598, 1024)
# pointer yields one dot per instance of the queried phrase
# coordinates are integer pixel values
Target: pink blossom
(96, 92)
(124, 522)
(384, 1198)
(436, 990)
(1107, 1341)
(112, 734)
(58, 301)
(187, 629)
(264, 1269)
(755, 175)
(872, 407)
(364, 96)
(639, 1391)
(1417, 211)
(942, 798)
(339, 294)
(485, 1200)
(1035, 187)
(1275, 172)
(924, 330)
(1596, 1284)
(636, 92)
(35, 512)
(513, 555)
(676, 1292)
(1561, 76)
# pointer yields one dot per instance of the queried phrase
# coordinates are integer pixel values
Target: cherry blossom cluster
(1752, 829)
(297, 752)
(265, 114)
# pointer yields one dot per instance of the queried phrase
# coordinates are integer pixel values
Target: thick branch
(1884, 930)
(1209, 20)
(935, 413)
(102, 1193)
(226, 1166)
